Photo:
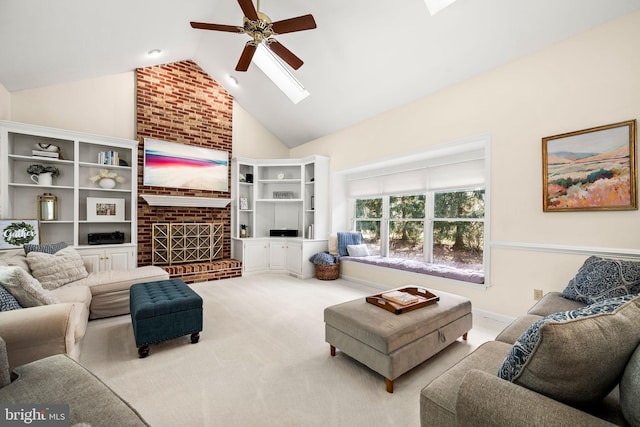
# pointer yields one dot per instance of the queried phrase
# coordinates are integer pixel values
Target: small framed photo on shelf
(106, 210)
(244, 203)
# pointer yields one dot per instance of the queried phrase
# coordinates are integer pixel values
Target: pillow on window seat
(346, 238)
(358, 250)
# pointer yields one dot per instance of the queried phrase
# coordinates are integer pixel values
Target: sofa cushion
(7, 301)
(602, 278)
(553, 302)
(55, 270)
(576, 356)
(25, 288)
(49, 248)
(74, 294)
(630, 390)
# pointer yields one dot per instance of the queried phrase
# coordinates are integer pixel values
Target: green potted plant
(243, 230)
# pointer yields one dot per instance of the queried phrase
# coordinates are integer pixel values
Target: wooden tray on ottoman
(425, 298)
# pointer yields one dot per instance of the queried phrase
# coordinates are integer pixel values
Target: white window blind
(414, 178)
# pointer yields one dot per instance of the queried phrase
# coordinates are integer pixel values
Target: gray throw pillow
(602, 278)
(7, 301)
(630, 390)
(576, 356)
(49, 248)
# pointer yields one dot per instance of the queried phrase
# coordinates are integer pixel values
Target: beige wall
(5, 103)
(103, 106)
(251, 139)
(589, 80)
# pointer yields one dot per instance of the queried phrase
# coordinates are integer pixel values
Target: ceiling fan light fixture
(435, 6)
(273, 67)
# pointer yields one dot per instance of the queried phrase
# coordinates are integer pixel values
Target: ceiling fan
(261, 29)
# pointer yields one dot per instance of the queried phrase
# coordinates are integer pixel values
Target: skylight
(436, 6)
(276, 70)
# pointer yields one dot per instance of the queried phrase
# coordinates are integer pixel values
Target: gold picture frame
(591, 169)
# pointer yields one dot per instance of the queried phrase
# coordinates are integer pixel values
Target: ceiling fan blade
(248, 9)
(285, 54)
(245, 57)
(217, 27)
(301, 23)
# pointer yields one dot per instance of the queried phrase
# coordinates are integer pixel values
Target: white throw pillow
(55, 270)
(24, 288)
(358, 250)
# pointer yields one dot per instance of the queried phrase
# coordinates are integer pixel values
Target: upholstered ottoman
(393, 344)
(164, 310)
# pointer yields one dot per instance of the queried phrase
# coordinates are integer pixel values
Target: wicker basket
(328, 272)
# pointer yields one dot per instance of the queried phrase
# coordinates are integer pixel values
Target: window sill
(438, 270)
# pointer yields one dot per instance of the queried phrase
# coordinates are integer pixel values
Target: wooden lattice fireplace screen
(175, 243)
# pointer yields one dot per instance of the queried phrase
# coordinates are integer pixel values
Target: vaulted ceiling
(364, 58)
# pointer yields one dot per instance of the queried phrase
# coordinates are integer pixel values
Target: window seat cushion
(438, 270)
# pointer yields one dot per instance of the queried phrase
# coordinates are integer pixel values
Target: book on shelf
(399, 297)
(110, 158)
(48, 154)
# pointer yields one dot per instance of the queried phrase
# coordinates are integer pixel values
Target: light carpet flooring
(262, 361)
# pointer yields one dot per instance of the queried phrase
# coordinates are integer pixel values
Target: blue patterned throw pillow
(576, 356)
(7, 301)
(602, 278)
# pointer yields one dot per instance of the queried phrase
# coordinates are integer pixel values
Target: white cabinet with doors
(109, 258)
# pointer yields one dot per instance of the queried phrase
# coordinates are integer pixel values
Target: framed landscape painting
(591, 169)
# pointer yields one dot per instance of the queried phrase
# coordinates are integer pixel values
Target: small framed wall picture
(101, 209)
(18, 232)
(244, 203)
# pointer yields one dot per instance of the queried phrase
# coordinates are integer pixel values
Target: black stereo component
(106, 238)
(283, 233)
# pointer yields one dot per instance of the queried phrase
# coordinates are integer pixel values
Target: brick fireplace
(179, 102)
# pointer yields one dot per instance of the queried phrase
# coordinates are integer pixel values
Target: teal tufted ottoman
(164, 310)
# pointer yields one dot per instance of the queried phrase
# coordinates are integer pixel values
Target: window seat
(438, 270)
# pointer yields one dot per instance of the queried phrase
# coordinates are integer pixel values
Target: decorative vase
(43, 179)
(107, 183)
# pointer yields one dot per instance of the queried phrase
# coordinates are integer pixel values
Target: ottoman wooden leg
(389, 385)
(143, 351)
(195, 337)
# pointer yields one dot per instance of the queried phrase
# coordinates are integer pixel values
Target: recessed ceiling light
(154, 53)
(232, 80)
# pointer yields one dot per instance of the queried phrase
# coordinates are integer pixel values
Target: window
(406, 227)
(458, 229)
(430, 206)
(451, 224)
(368, 222)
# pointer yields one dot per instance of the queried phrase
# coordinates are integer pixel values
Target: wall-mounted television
(169, 164)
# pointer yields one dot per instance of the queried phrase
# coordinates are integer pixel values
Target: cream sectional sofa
(36, 332)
